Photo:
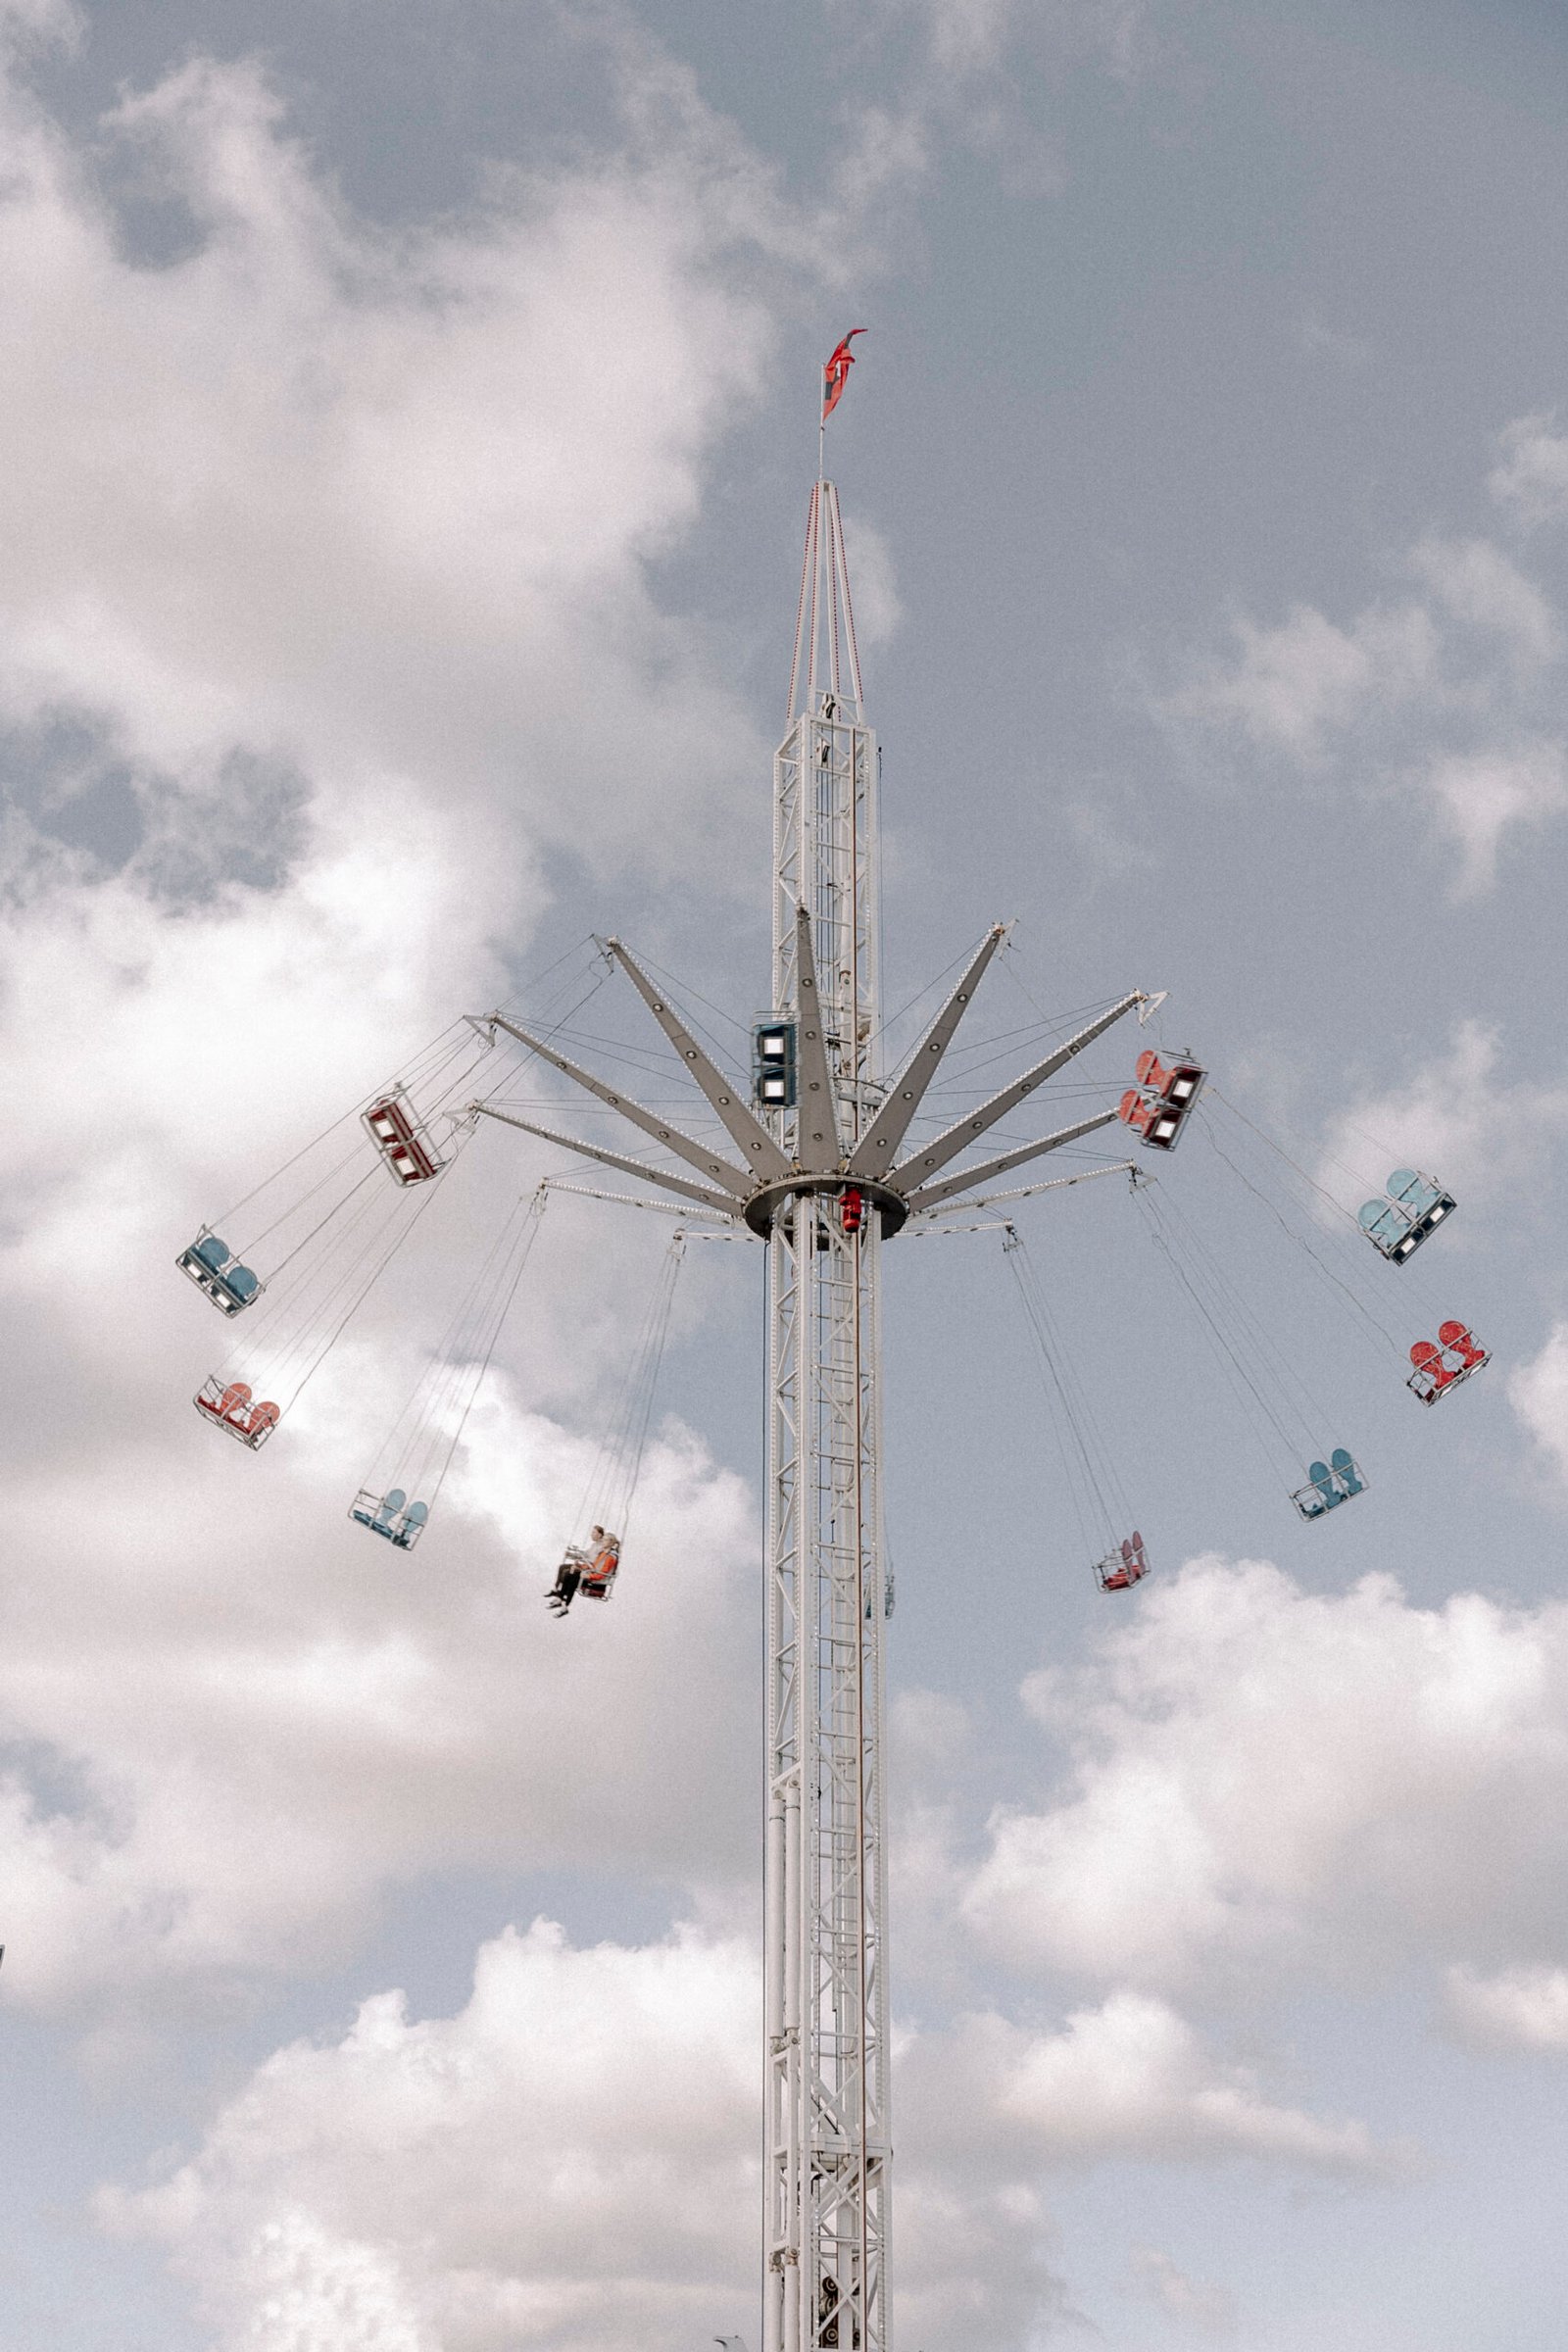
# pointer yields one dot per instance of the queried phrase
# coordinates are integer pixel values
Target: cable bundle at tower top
(611, 1490)
(1098, 1499)
(410, 1467)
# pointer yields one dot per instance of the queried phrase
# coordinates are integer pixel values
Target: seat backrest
(212, 1252)
(1415, 1194)
(1382, 1223)
(416, 1514)
(1344, 1470)
(264, 1416)
(242, 1282)
(388, 1120)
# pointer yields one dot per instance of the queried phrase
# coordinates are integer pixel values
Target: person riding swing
(592, 1572)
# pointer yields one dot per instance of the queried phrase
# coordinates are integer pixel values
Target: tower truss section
(828, 2145)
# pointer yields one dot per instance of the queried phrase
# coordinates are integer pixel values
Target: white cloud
(1538, 1390)
(570, 2162)
(1477, 584)
(1318, 338)
(1519, 2009)
(379, 506)
(1305, 686)
(1188, 2301)
(1532, 475)
(1461, 1116)
(1451, 697)
(1270, 1784)
(28, 21)
(1128, 2079)
(235, 1724)
(1482, 796)
(970, 40)
(877, 608)
(969, 37)
(1290, 687)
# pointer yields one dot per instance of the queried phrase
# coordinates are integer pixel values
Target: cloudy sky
(407, 408)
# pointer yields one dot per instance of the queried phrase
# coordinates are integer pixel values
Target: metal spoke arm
(877, 1154)
(931, 1196)
(923, 1164)
(697, 1156)
(660, 1208)
(1028, 1191)
(763, 1155)
(614, 1160)
(817, 1140)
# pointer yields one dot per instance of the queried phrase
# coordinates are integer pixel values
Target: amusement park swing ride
(826, 1159)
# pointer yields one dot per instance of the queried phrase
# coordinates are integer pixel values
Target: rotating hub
(763, 1210)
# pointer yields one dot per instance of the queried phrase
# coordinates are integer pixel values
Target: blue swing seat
(1414, 1207)
(391, 1515)
(1331, 1483)
(217, 1274)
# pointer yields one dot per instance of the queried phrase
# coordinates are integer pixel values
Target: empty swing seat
(1158, 1106)
(1445, 1365)
(1414, 1208)
(1120, 1570)
(391, 1515)
(401, 1141)
(218, 1273)
(228, 1405)
(1333, 1482)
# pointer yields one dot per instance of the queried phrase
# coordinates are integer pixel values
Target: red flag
(836, 373)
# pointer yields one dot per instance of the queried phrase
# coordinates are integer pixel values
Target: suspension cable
(1093, 1482)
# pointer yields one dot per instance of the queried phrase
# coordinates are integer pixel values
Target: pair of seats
(1120, 1570)
(1398, 1223)
(393, 1129)
(1443, 1366)
(391, 1515)
(1333, 1482)
(229, 1406)
(1158, 1106)
(218, 1273)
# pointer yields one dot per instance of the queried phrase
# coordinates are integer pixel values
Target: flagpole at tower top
(835, 376)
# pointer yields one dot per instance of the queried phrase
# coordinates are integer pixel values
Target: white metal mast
(827, 2145)
(823, 1183)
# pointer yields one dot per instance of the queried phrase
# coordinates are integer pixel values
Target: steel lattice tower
(823, 1185)
(827, 2136)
